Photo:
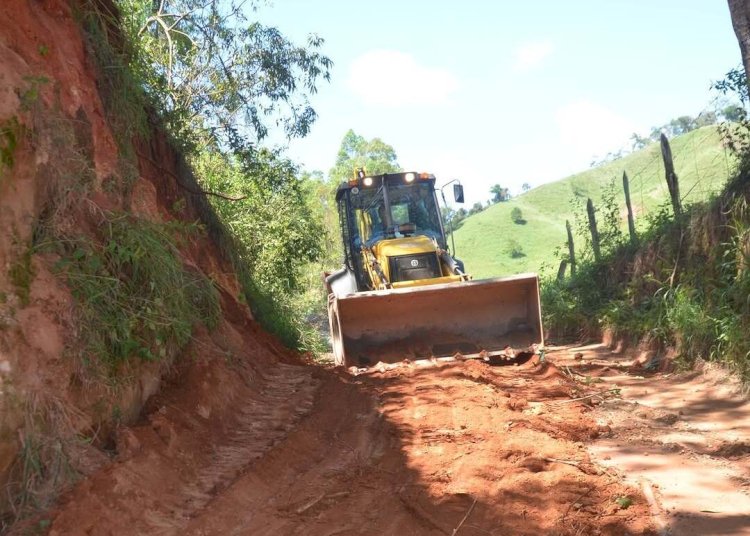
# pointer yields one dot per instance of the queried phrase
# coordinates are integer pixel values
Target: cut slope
(484, 240)
(69, 179)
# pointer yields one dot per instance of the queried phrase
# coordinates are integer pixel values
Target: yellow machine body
(413, 245)
(401, 295)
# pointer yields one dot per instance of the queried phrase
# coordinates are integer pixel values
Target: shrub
(276, 235)
(514, 249)
(517, 216)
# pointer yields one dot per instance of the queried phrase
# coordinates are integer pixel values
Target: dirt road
(682, 437)
(457, 448)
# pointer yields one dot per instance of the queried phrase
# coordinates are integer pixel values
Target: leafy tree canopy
(214, 74)
(476, 208)
(374, 155)
(733, 113)
(499, 193)
(277, 230)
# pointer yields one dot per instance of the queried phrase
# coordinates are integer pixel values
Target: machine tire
(337, 344)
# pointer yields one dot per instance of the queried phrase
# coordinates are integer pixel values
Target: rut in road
(169, 475)
(320, 452)
(263, 420)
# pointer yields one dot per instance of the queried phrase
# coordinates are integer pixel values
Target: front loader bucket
(484, 318)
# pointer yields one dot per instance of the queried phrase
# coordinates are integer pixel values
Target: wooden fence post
(571, 249)
(561, 270)
(631, 219)
(672, 182)
(594, 230)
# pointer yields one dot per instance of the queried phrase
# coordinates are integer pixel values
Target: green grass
(484, 241)
(134, 294)
(21, 274)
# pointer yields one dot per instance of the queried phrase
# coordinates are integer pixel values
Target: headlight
(409, 177)
(367, 181)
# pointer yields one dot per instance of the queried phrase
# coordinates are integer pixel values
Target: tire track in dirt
(413, 450)
(272, 402)
(263, 420)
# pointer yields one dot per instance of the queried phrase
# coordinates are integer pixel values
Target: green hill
(485, 240)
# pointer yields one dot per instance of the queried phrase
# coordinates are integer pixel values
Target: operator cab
(392, 231)
(390, 206)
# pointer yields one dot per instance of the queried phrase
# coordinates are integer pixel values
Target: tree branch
(187, 188)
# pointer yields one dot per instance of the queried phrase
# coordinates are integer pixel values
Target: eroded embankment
(108, 279)
(304, 450)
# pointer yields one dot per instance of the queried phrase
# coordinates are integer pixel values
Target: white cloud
(589, 129)
(531, 55)
(391, 78)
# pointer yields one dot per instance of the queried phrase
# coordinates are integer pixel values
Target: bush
(514, 249)
(517, 216)
(276, 235)
(681, 287)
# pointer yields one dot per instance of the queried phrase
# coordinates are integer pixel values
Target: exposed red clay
(296, 449)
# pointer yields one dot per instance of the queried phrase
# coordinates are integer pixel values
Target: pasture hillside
(492, 244)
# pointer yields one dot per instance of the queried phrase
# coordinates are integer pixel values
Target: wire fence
(661, 175)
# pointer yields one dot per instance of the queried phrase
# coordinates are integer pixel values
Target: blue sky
(505, 92)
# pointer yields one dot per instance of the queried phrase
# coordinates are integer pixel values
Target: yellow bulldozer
(402, 295)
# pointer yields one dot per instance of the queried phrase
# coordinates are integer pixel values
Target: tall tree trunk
(740, 12)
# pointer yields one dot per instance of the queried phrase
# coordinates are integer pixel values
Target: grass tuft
(134, 295)
(21, 274)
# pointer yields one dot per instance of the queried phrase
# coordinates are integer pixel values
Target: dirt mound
(731, 449)
(217, 414)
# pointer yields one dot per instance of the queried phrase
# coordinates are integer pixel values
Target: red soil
(231, 448)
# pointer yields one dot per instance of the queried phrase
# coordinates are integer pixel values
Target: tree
(739, 10)
(374, 155)
(499, 193)
(638, 141)
(525, 187)
(277, 230)
(681, 125)
(705, 119)
(733, 113)
(495, 190)
(320, 195)
(734, 83)
(476, 208)
(655, 133)
(458, 217)
(212, 73)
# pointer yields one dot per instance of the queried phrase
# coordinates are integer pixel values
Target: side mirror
(458, 193)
